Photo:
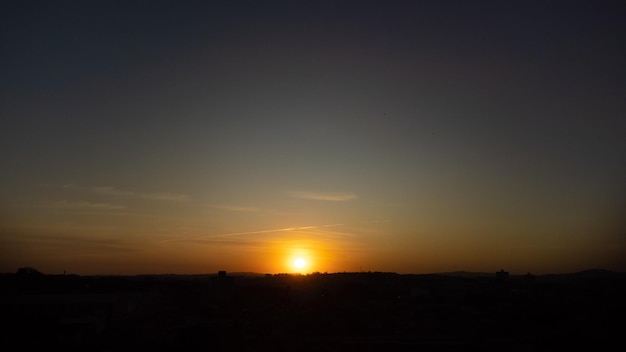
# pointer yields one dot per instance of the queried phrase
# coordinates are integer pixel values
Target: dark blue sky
(415, 136)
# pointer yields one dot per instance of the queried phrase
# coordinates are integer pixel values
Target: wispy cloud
(286, 229)
(84, 205)
(245, 234)
(73, 243)
(113, 191)
(326, 196)
(234, 208)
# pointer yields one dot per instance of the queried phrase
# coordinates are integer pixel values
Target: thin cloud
(326, 196)
(234, 208)
(84, 205)
(84, 244)
(287, 229)
(259, 232)
(329, 234)
(113, 191)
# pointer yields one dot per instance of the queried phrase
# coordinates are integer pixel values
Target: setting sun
(299, 263)
(301, 257)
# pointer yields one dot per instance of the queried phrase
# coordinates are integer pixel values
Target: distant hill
(249, 274)
(596, 273)
(468, 274)
(591, 274)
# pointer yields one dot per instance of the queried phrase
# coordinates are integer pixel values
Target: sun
(299, 263)
(299, 260)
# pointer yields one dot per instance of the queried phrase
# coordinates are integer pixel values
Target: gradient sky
(406, 136)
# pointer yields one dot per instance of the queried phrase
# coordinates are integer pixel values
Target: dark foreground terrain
(318, 312)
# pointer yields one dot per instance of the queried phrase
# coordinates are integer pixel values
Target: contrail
(287, 229)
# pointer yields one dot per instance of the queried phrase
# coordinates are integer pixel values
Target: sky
(147, 137)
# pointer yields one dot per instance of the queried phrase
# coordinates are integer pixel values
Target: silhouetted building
(502, 275)
(222, 285)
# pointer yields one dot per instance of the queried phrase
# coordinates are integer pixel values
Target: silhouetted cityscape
(349, 311)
